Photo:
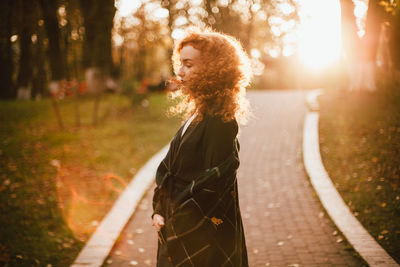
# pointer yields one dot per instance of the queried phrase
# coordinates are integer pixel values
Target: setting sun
(319, 34)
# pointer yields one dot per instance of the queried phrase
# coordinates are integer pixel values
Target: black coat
(197, 195)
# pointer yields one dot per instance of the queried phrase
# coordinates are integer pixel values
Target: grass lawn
(55, 186)
(360, 147)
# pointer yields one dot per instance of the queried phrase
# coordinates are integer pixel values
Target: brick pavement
(285, 225)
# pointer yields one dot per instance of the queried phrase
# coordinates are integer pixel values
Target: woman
(196, 206)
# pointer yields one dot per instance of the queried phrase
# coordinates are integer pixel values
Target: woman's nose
(181, 73)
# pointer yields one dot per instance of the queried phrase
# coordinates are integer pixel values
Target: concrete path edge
(102, 240)
(341, 215)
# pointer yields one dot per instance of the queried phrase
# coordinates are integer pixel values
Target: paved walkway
(284, 222)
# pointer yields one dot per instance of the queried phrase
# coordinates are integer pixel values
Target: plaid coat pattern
(203, 222)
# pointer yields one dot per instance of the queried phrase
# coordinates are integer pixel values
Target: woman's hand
(158, 222)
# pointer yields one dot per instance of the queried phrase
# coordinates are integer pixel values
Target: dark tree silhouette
(394, 37)
(27, 21)
(49, 9)
(97, 60)
(39, 58)
(98, 21)
(6, 62)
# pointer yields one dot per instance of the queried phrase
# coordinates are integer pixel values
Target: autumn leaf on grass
(384, 232)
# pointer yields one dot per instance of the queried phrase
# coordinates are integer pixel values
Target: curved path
(285, 224)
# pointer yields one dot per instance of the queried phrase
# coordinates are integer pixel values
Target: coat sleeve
(218, 141)
(157, 206)
(157, 195)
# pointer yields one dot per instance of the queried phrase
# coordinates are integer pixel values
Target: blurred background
(83, 104)
(119, 45)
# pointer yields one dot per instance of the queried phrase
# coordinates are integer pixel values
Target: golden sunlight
(320, 32)
(317, 39)
(126, 8)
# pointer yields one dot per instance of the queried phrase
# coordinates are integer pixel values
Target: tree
(49, 9)
(350, 44)
(39, 58)
(362, 61)
(6, 62)
(393, 31)
(98, 22)
(97, 58)
(27, 20)
(370, 41)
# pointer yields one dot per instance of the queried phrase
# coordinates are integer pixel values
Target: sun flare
(320, 33)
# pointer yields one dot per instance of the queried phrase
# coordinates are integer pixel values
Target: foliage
(360, 147)
(145, 38)
(56, 186)
(130, 89)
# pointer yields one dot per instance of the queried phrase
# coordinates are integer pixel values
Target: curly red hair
(219, 87)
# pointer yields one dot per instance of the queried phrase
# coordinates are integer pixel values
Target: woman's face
(190, 62)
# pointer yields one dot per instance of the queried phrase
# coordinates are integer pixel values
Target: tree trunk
(350, 46)
(6, 62)
(24, 79)
(370, 41)
(394, 43)
(49, 8)
(39, 75)
(171, 14)
(97, 57)
(98, 21)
